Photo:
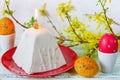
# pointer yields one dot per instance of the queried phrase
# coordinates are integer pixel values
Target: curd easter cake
(38, 51)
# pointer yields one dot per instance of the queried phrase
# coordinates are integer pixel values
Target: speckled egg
(86, 66)
(108, 43)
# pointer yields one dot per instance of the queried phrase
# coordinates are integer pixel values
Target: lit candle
(36, 22)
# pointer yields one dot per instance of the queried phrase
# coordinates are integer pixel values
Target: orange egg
(6, 26)
(86, 66)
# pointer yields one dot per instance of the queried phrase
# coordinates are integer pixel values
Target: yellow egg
(86, 66)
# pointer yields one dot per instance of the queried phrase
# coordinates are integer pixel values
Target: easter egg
(108, 43)
(6, 26)
(86, 66)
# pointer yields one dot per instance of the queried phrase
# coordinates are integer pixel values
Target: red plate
(70, 57)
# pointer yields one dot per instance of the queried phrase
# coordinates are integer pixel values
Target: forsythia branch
(114, 22)
(69, 21)
(106, 18)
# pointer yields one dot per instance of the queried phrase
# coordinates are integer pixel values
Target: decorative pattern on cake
(38, 51)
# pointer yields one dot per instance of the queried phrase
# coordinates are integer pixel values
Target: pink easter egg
(108, 43)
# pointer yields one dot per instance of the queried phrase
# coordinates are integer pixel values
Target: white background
(24, 10)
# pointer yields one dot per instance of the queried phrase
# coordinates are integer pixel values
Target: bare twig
(66, 39)
(60, 34)
(14, 17)
(116, 23)
(73, 45)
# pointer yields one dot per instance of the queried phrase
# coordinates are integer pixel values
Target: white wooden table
(115, 75)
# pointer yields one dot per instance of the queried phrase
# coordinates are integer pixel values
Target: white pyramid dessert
(38, 51)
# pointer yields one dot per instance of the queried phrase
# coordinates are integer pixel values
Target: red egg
(108, 43)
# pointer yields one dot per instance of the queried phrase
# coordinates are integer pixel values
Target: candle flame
(36, 14)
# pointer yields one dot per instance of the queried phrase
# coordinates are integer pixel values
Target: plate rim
(33, 75)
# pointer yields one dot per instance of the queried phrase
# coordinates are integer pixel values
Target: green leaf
(106, 9)
(30, 23)
(7, 2)
(7, 12)
(99, 0)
